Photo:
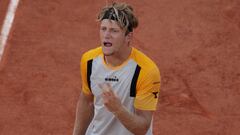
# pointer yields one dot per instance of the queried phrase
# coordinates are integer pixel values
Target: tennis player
(120, 85)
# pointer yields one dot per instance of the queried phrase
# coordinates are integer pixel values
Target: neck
(118, 58)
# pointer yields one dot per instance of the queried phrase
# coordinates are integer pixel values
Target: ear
(129, 36)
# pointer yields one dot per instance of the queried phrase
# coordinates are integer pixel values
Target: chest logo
(111, 79)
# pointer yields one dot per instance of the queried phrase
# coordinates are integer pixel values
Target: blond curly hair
(122, 13)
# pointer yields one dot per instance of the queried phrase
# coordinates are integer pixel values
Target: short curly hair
(122, 13)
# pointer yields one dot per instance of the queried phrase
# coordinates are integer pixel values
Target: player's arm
(84, 114)
(85, 107)
(137, 123)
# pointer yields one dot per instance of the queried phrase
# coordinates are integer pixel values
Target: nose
(107, 34)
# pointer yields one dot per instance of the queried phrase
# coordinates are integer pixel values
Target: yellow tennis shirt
(136, 82)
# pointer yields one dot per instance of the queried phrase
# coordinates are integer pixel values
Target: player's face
(112, 37)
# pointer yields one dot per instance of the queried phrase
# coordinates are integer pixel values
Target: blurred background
(195, 44)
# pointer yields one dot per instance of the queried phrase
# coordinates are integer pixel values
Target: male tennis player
(120, 85)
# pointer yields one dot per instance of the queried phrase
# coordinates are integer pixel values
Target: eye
(103, 28)
(115, 30)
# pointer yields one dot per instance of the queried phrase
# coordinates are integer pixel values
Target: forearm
(84, 114)
(133, 122)
(137, 123)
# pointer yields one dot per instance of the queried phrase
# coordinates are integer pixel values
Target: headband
(110, 14)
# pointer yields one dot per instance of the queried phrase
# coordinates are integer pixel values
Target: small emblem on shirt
(155, 94)
(112, 79)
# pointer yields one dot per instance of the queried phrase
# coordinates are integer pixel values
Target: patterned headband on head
(110, 14)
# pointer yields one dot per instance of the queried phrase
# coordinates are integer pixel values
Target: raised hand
(110, 99)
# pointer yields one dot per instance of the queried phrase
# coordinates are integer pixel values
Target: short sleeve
(148, 90)
(83, 69)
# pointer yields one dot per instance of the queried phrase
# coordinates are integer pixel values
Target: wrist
(119, 111)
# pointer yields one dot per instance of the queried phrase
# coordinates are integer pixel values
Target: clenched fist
(110, 99)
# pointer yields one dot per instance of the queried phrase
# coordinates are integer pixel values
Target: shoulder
(91, 54)
(144, 62)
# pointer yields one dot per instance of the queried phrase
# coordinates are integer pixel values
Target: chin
(108, 54)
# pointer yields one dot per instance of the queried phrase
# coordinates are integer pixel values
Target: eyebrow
(110, 27)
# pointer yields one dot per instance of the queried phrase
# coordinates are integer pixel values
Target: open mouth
(107, 44)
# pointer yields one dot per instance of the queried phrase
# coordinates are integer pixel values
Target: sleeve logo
(155, 94)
